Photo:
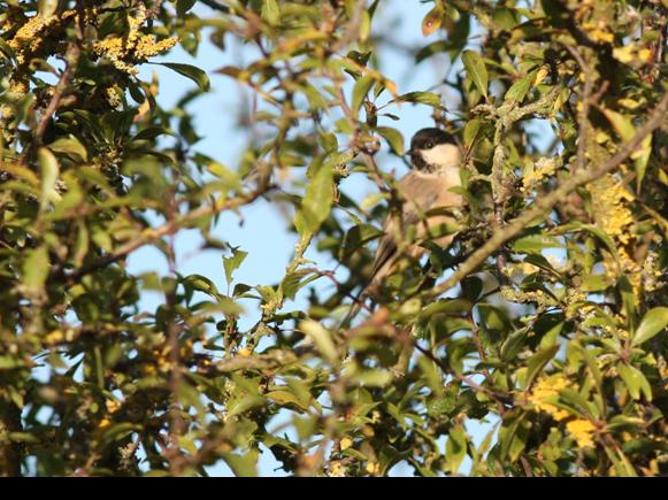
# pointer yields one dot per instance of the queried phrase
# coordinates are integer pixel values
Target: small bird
(425, 191)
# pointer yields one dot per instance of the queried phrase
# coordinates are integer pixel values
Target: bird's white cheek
(443, 155)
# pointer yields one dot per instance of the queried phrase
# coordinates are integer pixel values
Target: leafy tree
(547, 318)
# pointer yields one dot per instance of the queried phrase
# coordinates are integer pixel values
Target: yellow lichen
(611, 211)
(547, 389)
(582, 431)
(544, 167)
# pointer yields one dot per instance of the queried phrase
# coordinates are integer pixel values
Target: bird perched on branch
(426, 194)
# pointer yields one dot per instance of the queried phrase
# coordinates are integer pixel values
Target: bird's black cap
(429, 137)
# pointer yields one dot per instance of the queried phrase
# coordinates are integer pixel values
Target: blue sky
(265, 233)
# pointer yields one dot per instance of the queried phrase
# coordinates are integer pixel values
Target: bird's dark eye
(429, 145)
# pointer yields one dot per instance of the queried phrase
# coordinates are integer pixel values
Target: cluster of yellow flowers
(114, 96)
(541, 299)
(336, 469)
(593, 16)
(125, 52)
(632, 53)
(652, 272)
(30, 37)
(547, 390)
(582, 431)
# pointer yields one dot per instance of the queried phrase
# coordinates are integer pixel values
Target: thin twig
(72, 56)
(151, 235)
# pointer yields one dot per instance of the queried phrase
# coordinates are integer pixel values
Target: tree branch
(543, 205)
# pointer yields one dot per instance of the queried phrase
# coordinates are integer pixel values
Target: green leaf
(622, 465)
(47, 7)
(271, 12)
(620, 123)
(535, 243)
(317, 201)
(428, 98)
(433, 48)
(455, 448)
(654, 321)
(635, 381)
(50, 169)
(623, 126)
(518, 91)
(365, 27)
(471, 130)
(355, 238)
(512, 436)
(36, 268)
(360, 90)
(231, 264)
(242, 465)
(71, 146)
(475, 68)
(322, 339)
(641, 158)
(393, 138)
(183, 6)
(373, 378)
(195, 74)
(537, 362)
(285, 398)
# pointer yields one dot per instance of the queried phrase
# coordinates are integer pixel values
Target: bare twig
(71, 59)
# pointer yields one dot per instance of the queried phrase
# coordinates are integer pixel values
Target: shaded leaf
(195, 74)
(393, 138)
(360, 91)
(475, 68)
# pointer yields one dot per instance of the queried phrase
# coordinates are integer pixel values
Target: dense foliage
(546, 319)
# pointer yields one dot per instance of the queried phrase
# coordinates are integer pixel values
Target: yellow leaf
(541, 75)
(645, 55)
(432, 21)
(622, 124)
(601, 36)
(623, 54)
(628, 103)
